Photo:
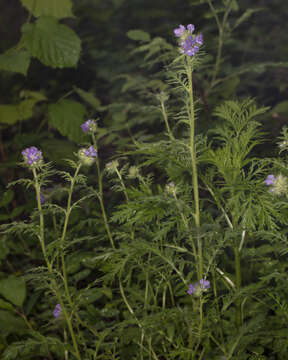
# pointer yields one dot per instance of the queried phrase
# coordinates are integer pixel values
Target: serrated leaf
(15, 60)
(59, 9)
(13, 289)
(138, 35)
(245, 16)
(10, 114)
(67, 116)
(54, 44)
(89, 98)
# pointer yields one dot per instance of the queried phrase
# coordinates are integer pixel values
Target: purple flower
(198, 288)
(87, 155)
(190, 28)
(270, 180)
(57, 311)
(32, 156)
(179, 31)
(91, 152)
(89, 126)
(204, 284)
(189, 44)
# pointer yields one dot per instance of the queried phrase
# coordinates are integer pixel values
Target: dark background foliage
(123, 83)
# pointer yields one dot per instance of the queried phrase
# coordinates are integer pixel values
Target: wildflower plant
(168, 269)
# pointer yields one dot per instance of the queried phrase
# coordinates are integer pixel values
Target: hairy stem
(194, 165)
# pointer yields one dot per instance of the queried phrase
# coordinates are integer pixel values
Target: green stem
(221, 33)
(49, 266)
(238, 284)
(42, 236)
(194, 165)
(66, 220)
(165, 117)
(100, 197)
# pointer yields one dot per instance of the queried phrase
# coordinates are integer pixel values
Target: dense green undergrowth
(156, 229)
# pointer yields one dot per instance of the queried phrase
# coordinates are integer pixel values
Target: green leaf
(13, 289)
(245, 16)
(15, 60)
(11, 324)
(6, 305)
(89, 98)
(138, 35)
(281, 108)
(67, 116)
(59, 9)
(54, 44)
(7, 198)
(9, 114)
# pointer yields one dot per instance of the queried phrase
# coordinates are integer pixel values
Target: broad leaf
(54, 44)
(67, 116)
(9, 114)
(13, 289)
(15, 60)
(57, 8)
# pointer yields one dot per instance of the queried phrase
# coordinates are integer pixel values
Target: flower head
(171, 188)
(189, 44)
(198, 288)
(270, 180)
(89, 126)
(278, 185)
(87, 155)
(112, 166)
(32, 157)
(57, 311)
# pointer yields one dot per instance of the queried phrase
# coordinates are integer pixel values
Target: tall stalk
(50, 269)
(191, 115)
(100, 197)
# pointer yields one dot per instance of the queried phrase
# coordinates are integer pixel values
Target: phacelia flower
(198, 288)
(189, 44)
(270, 180)
(278, 185)
(87, 155)
(89, 126)
(32, 156)
(57, 311)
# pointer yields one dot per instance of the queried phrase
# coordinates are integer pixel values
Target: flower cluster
(189, 44)
(198, 288)
(89, 126)
(87, 155)
(171, 188)
(57, 311)
(278, 185)
(32, 157)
